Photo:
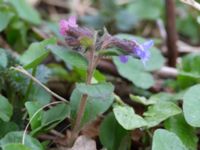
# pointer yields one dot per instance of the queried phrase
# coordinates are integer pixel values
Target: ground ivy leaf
(52, 117)
(141, 100)
(6, 109)
(70, 57)
(5, 17)
(127, 118)
(96, 104)
(15, 146)
(32, 107)
(191, 103)
(6, 127)
(25, 11)
(16, 137)
(36, 53)
(165, 140)
(112, 134)
(101, 90)
(133, 70)
(159, 112)
(185, 132)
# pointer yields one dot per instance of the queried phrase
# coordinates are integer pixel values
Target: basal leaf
(6, 109)
(184, 131)
(112, 134)
(159, 112)
(36, 53)
(165, 140)
(127, 118)
(25, 11)
(191, 103)
(96, 104)
(70, 57)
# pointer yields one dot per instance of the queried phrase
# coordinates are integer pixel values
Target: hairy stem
(83, 102)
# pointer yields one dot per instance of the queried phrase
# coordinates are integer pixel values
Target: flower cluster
(66, 24)
(140, 50)
(73, 34)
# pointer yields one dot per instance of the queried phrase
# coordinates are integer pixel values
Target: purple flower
(123, 58)
(141, 51)
(66, 24)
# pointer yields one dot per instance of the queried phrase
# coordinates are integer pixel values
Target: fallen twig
(22, 70)
(192, 3)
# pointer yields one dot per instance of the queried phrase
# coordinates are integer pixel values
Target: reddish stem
(171, 32)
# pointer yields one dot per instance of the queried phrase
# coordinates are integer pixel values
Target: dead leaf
(33, 2)
(83, 143)
(92, 129)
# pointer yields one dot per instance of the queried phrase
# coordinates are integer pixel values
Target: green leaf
(165, 140)
(112, 134)
(127, 118)
(191, 103)
(160, 112)
(3, 58)
(189, 72)
(39, 94)
(70, 57)
(141, 100)
(16, 137)
(156, 60)
(123, 23)
(6, 109)
(56, 114)
(36, 53)
(162, 96)
(5, 17)
(133, 71)
(185, 132)
(25, 11)
(101, 90)
(52, 117)
(95, 105)
(32, 107)
(6, 127)
(15, 146)
(136, 8)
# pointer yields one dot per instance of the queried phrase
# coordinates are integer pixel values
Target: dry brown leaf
(33, 2)
(92, 130)
(83, 143)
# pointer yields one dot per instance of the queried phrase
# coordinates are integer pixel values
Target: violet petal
(123, 58)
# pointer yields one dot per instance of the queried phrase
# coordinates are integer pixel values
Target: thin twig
(167, 72)
(22, 70)
(192, 3)
(58, 134)
(186, 48)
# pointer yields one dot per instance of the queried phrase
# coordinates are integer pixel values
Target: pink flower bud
(66, 24)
